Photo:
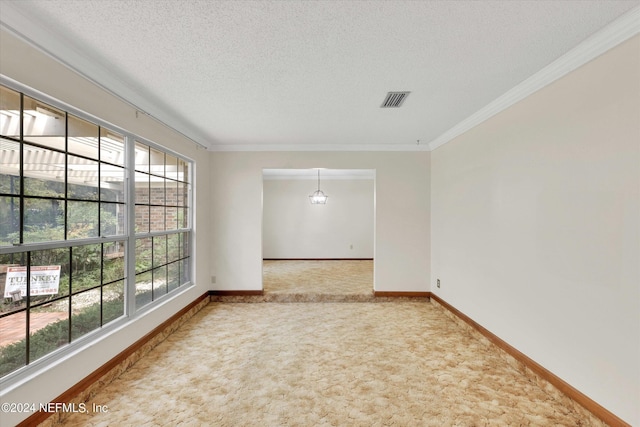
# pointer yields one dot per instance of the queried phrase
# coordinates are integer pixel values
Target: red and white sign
(45, 280)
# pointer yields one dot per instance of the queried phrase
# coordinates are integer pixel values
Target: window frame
(128, 236)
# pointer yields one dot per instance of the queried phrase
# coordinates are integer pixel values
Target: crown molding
(269, 174)
(620, 30)
(16, 20)
(319, 147)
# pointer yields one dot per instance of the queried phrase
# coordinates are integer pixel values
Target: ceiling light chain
(318, 197)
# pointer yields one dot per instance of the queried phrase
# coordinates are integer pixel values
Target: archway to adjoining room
(315, 248)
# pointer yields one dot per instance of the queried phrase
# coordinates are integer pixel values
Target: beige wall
(292, 227)
(401, 214)
(29, 67)
(535, 227)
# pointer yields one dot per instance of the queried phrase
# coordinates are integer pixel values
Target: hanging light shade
(318, 197)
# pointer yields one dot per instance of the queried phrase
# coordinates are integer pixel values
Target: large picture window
(74, 257)
(161, 216)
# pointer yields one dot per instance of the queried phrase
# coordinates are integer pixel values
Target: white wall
(28, 66)
(402, 248)
(535, 227)
(341, 228)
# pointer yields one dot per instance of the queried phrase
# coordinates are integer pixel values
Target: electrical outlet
(213, 280)
(350, 246)
(438, 282)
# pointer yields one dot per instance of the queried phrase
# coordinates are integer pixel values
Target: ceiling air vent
(394, 99)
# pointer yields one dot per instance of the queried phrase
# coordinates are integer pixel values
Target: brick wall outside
(159, 217)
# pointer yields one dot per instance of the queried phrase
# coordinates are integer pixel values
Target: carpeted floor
(330, 277)
(400, 363)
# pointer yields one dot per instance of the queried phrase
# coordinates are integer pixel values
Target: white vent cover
(394, 99)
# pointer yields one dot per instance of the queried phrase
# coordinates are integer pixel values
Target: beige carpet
(399, 363)
(318, 277)
(313, 281)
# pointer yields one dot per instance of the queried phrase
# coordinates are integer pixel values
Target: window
(73, 257)
(161, 218)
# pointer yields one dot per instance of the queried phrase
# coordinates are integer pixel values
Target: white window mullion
(191, 211)
(130, 266)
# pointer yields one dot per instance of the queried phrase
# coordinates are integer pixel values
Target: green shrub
(56, 334)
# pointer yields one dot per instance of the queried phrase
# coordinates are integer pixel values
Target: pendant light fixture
(318, 197)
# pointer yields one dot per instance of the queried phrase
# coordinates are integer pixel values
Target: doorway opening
(318, 249)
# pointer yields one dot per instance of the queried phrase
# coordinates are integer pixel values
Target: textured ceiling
(309, 75)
